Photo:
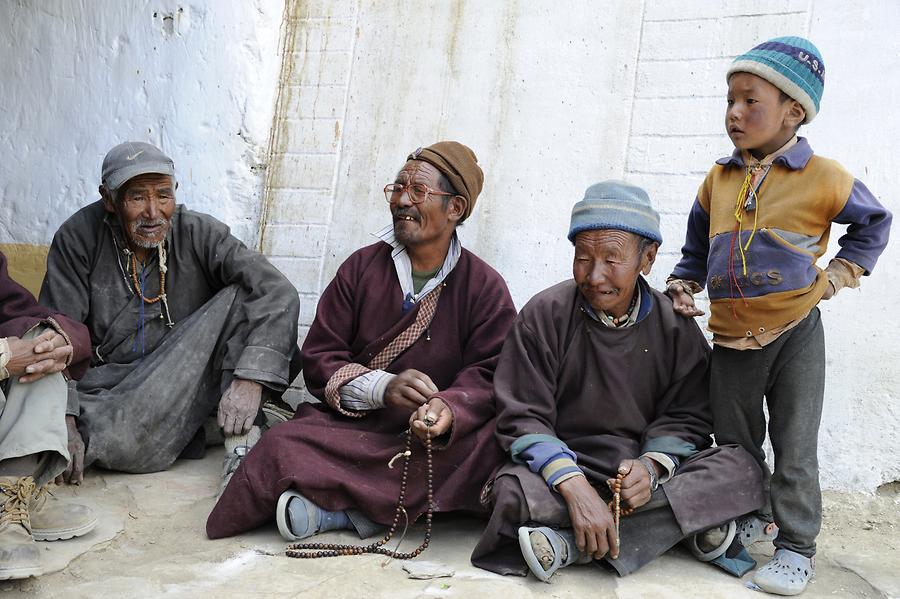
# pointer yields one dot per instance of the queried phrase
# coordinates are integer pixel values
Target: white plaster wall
(859, 125)
(556, 95)
(552, 96)
(545, 119)
(197, 78)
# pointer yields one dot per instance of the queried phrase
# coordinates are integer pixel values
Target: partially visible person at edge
(760, 221)
(409, 330)
(38, 348)
(185, 322)
(600, 378)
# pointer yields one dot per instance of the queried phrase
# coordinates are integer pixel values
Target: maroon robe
(340, 462)
(19, 312)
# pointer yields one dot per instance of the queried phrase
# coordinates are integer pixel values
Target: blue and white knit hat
(792, 64)
(615, 205)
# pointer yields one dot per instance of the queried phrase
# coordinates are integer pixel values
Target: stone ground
(151, 543)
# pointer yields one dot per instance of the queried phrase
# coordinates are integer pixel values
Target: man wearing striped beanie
(600, 386)
(760, 221)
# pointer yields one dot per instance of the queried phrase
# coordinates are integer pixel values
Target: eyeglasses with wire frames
(417, 192)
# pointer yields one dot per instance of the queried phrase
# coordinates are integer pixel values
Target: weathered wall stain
(78, 79)
(277, 134)
(555, 97)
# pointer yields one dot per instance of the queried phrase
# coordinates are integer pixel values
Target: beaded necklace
(137, 285)
(314, 550)
(139, 288)
(624, 318)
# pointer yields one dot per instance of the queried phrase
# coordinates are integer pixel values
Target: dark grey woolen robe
(235, 315)
(610, 395)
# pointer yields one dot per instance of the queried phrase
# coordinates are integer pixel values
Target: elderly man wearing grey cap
(598, 381)
(185, 321)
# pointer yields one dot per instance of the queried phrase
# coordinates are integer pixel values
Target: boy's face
(757, 119)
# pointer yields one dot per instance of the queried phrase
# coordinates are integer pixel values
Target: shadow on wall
(27, 264)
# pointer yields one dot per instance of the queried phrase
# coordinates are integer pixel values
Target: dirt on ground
(151, 543)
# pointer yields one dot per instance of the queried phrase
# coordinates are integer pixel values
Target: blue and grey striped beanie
(792, 64)
(615, 205)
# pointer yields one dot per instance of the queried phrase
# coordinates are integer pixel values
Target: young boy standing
(760, 221)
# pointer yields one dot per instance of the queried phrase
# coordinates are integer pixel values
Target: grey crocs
(787, 573)
(556, 545)
(753, 529)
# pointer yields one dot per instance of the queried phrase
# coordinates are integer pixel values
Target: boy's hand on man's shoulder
(683, 302)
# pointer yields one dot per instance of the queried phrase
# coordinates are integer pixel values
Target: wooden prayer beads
(615, 506)
(137, 285)
(314, 550)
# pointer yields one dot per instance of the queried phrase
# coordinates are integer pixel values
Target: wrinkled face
(145, 205)
(606, 268)
(428, 221)
(757, 118)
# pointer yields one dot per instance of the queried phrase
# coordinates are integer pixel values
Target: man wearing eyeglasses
(409, 331)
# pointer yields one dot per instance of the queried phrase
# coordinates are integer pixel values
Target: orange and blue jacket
(761, 273)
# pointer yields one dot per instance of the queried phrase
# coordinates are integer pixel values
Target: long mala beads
(314, 550)
(615, 506)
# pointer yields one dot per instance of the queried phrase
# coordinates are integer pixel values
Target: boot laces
(17, 497)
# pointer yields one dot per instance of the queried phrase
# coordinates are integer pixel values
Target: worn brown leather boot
(19, 554)
(53, 519)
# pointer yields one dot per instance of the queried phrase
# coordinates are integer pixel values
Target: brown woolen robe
(339, 461)
(610, 395)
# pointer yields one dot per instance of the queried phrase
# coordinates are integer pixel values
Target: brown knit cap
(459, 164)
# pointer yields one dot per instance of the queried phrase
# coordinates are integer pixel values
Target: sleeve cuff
(556, 469)
(564, 477)
(663, 460)
(669, 445)
(264, 365)
(5, 355)
(691, 287)
(844, 273)
(365, 392)
(58, 328)
(73, 405)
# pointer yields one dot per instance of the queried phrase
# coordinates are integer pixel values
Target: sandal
(552, 558)
(720, 547)
(715, 544)
(294, 529)
(753, 529)
(787, 574)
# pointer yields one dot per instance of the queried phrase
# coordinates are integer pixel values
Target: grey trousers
(138, 417)
(33, 423)
(790, 374)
